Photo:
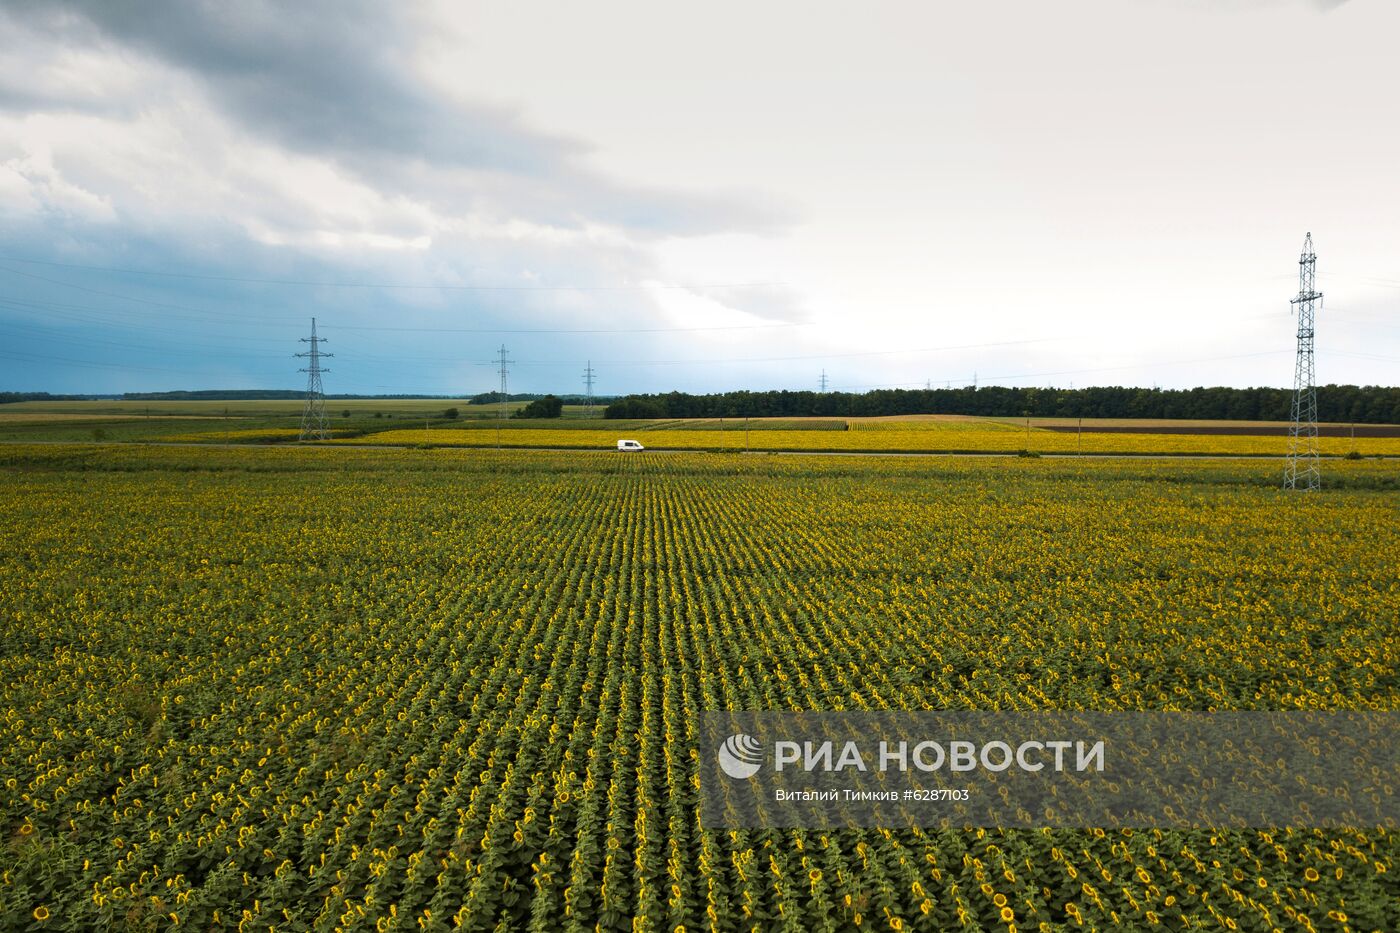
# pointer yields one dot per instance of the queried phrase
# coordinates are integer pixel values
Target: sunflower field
(328, 688)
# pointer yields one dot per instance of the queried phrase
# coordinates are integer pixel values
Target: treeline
(1361, 404)
(44, 397)
(492, 398)
(245, 395)
(550, 406)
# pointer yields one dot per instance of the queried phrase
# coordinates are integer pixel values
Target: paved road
(680, 450)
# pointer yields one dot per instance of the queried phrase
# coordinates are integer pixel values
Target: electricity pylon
(313, 414)
(504, 371)
(1302, 471)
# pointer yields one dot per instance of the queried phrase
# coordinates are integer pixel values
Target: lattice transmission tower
(504, 372)
(823, 382)
(588, 390)
(313, 414)
(1301, 471)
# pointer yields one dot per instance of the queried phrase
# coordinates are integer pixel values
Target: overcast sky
(695, 196)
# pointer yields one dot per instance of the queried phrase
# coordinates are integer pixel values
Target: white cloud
(31, 185)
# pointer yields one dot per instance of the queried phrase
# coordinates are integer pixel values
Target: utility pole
(313, 414)
(588, 390)
(1302, 469)
(504, 371)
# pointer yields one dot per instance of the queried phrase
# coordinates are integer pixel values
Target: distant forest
(1343, 404)
(491, 398)
(44, 397)
(245, 395)
(1360, 404)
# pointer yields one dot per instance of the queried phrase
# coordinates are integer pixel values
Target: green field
(308, 688)
(163, 420)
(259, 408)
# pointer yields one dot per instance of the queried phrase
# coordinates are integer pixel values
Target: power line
(432, 286)
(26, 357)
(311, 283)
(1366, 356)
(57, 334)
(1376, 281)
(1069, 372)
(97, 291)
(753, 359)
(576, 330)
(54, 308)
(241, 316)
(105, 317)
(114, 317)
(814, 356)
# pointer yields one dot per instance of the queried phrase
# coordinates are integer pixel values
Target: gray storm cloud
(336, 80)
(316, 75)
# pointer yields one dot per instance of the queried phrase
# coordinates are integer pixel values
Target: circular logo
(740, 756)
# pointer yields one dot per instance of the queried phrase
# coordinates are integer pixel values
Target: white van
(629, 445)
